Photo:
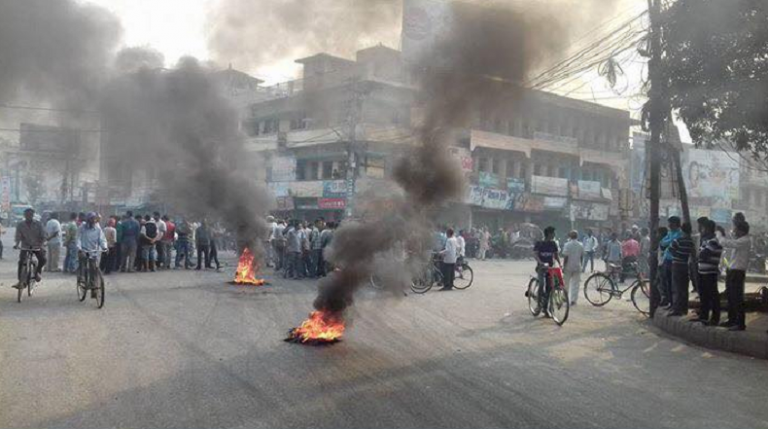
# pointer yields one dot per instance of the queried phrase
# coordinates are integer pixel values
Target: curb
(710, 337)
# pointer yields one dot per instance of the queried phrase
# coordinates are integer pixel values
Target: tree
(716, 63)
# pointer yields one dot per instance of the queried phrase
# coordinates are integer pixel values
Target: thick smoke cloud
(259, 33)
(176, 122)
(479, 66)
(55, 51)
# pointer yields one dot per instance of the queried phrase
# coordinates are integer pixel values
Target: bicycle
(90, 278)
(429, 277)
(559, 305)
(464, 275)
(27, 273)
(600, 288)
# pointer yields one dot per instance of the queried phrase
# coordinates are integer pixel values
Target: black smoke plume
(55, 51)
(177, 123)
(479, 66)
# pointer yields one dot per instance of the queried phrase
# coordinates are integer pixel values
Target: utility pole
(353, 119)
(657, 108)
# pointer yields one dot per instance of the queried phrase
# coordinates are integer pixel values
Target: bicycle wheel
(559, 306)
(464, 276)
(22, 281)
(30, 279)
(422, 283)
(641, 296)
(533, 297)
(99, 289)
(599, 289)
(375, 282)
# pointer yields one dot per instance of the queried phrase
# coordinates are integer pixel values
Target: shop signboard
(589, 211)
(711, 174)
(279, 189)
(284, 203)
(529, 203)
(589, 190)
(332, 203)
(515, 185)
(495, 199)
(555, 203)
(475, 195)
(464, 157)
(334, 189)
(549, 186)
(313, 189)
(488, 180)
(283, 169)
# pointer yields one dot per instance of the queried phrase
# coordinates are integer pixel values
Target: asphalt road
(185, 350)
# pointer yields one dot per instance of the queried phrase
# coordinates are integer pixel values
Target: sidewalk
(752, 342)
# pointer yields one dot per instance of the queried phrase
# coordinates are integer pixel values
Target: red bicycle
(558, 306)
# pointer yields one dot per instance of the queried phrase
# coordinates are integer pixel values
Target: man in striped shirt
(710, 252)
(681, 250)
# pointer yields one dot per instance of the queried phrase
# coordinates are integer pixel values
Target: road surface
(183, 349)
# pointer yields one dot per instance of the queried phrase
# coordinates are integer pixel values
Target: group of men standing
(296, 247)
(678, 247)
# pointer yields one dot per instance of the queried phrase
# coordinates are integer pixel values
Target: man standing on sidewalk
(53, 232)
(681, 250)
(735, 276)
(573, 251)
(665, 284)
(450, 254)
(590, 247)
(710, 252)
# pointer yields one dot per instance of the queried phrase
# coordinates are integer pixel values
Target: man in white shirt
(272, 225)
(590, 247)
(162, 228)
(53, 233)
(450, 254)
(573, 251)
(462, 247)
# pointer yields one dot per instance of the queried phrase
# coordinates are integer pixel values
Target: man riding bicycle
(545, 252)
(91, 243)
(30, 234)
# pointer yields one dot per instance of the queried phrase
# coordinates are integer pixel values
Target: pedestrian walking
(167, 242)
(741, 244)
(645, 251)
(215, 233)
(485, 240)
(590, 246)
(162, 228)
(293, 251)
(53, 232)
(573, 253)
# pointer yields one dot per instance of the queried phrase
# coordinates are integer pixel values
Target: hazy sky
(179, 27)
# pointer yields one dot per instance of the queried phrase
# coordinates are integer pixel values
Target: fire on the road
(321, 328)
(246, 272)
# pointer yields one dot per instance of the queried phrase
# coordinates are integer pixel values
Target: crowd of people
(295, 248)
(128, 243)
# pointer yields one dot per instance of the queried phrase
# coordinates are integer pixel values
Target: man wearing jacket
(666, 278)
(734, 278)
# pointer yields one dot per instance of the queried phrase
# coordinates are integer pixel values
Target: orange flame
(321, 327)
(246, 270)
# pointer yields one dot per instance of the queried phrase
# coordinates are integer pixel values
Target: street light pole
(656, 119)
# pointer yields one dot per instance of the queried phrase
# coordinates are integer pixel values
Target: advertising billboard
(711, 174)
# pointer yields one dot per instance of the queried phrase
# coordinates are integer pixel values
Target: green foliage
(716, 62)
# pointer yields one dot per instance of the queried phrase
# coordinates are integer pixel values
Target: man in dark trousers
(673, 233)
(545, 252)
(681, 250)
(710, 253)
(734, 278)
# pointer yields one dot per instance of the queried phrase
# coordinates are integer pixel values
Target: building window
(537, 169)
(562, 173)
(327, 170)
(271, 126)
(495, 166)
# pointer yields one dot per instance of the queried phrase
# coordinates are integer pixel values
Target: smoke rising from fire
(177, 123)
(173, 122)
(478, 66)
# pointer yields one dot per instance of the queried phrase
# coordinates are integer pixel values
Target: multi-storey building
(335, 133)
